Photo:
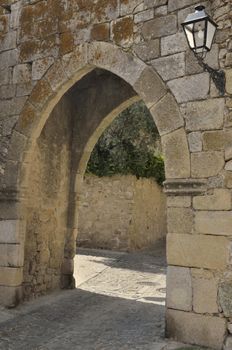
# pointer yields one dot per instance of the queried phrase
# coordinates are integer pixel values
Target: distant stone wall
(121, 212)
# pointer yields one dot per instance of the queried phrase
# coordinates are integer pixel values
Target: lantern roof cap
(199, 14)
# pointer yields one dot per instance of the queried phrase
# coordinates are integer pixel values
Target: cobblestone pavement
(119, 304)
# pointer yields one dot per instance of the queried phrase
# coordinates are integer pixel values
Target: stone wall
(46, 211)
(47, 47)
(121, 213)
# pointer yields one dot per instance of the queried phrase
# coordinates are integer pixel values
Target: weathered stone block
(105, 56)
(219, 200)
(10, 296)
(229, 81)
(11, 107)
(25, 89)
(150, 87)
(41, 93)
(8, 59)
(224, 297)
(10, 231)
(216, 140)
(128, 7)
(159, 27)
(154, 3)
(178, 4)
(8, 41)
(179, 201)
(122, 31)
(147, 51)
(201, 251)
(179, 288)
(170, 67)
(7, 91)
(173, 43)
(180, 220)
(101, 32)
(194, 87)
(175, 148)
(214, 222)
(228, 152)
(11, 276)
(74, 62)
(144, 16)
(206, 164)
(204, 291)
(167, 115)
(196, 329)
(17, 146)
(11, 255)
(40, 67)
(195, 141)
(228, 166)
(204, 115)
(56, 76)
(228, 343)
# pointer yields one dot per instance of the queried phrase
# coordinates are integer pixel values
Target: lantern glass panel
(189, 34)
(211, 29)
(199, 35)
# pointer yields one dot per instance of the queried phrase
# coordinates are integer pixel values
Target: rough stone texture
(224, 295)
(10, 231)
(179, 201)
(178, 4)
(229, 81)
(11, 276)
(195, 141)
(205, 164)
(205, 287)
(159, 27)
(190, 250)
(148, 50)
(217, 140)
(180, 220)
(166, 115)
(214, 222)
(53, 50)
(195, 87)
(179, 288)
(175, 148)
(204, 115)
(198, 329)
(170, 67)
(219, 200)
(173, 43)
(120, 212)
(228, 344)
(150, 87)
(11, 255)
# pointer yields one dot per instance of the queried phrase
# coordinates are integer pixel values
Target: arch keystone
(115, 60)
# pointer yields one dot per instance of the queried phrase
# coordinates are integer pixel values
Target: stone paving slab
(119, 304)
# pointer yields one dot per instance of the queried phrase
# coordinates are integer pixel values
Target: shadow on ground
(82, 320)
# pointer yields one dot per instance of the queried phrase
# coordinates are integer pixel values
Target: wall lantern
(200, 30)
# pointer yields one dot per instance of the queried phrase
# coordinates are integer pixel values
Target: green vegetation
(130, 145)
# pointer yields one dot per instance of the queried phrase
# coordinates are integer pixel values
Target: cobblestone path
(119, 304)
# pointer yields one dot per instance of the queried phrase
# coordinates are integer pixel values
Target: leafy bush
(130, 145)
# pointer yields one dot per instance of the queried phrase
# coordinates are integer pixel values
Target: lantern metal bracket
(218, 76)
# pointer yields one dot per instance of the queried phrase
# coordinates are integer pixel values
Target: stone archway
(182, 246)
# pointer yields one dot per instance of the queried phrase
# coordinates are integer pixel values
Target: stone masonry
(67, 68)
(120, 213)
